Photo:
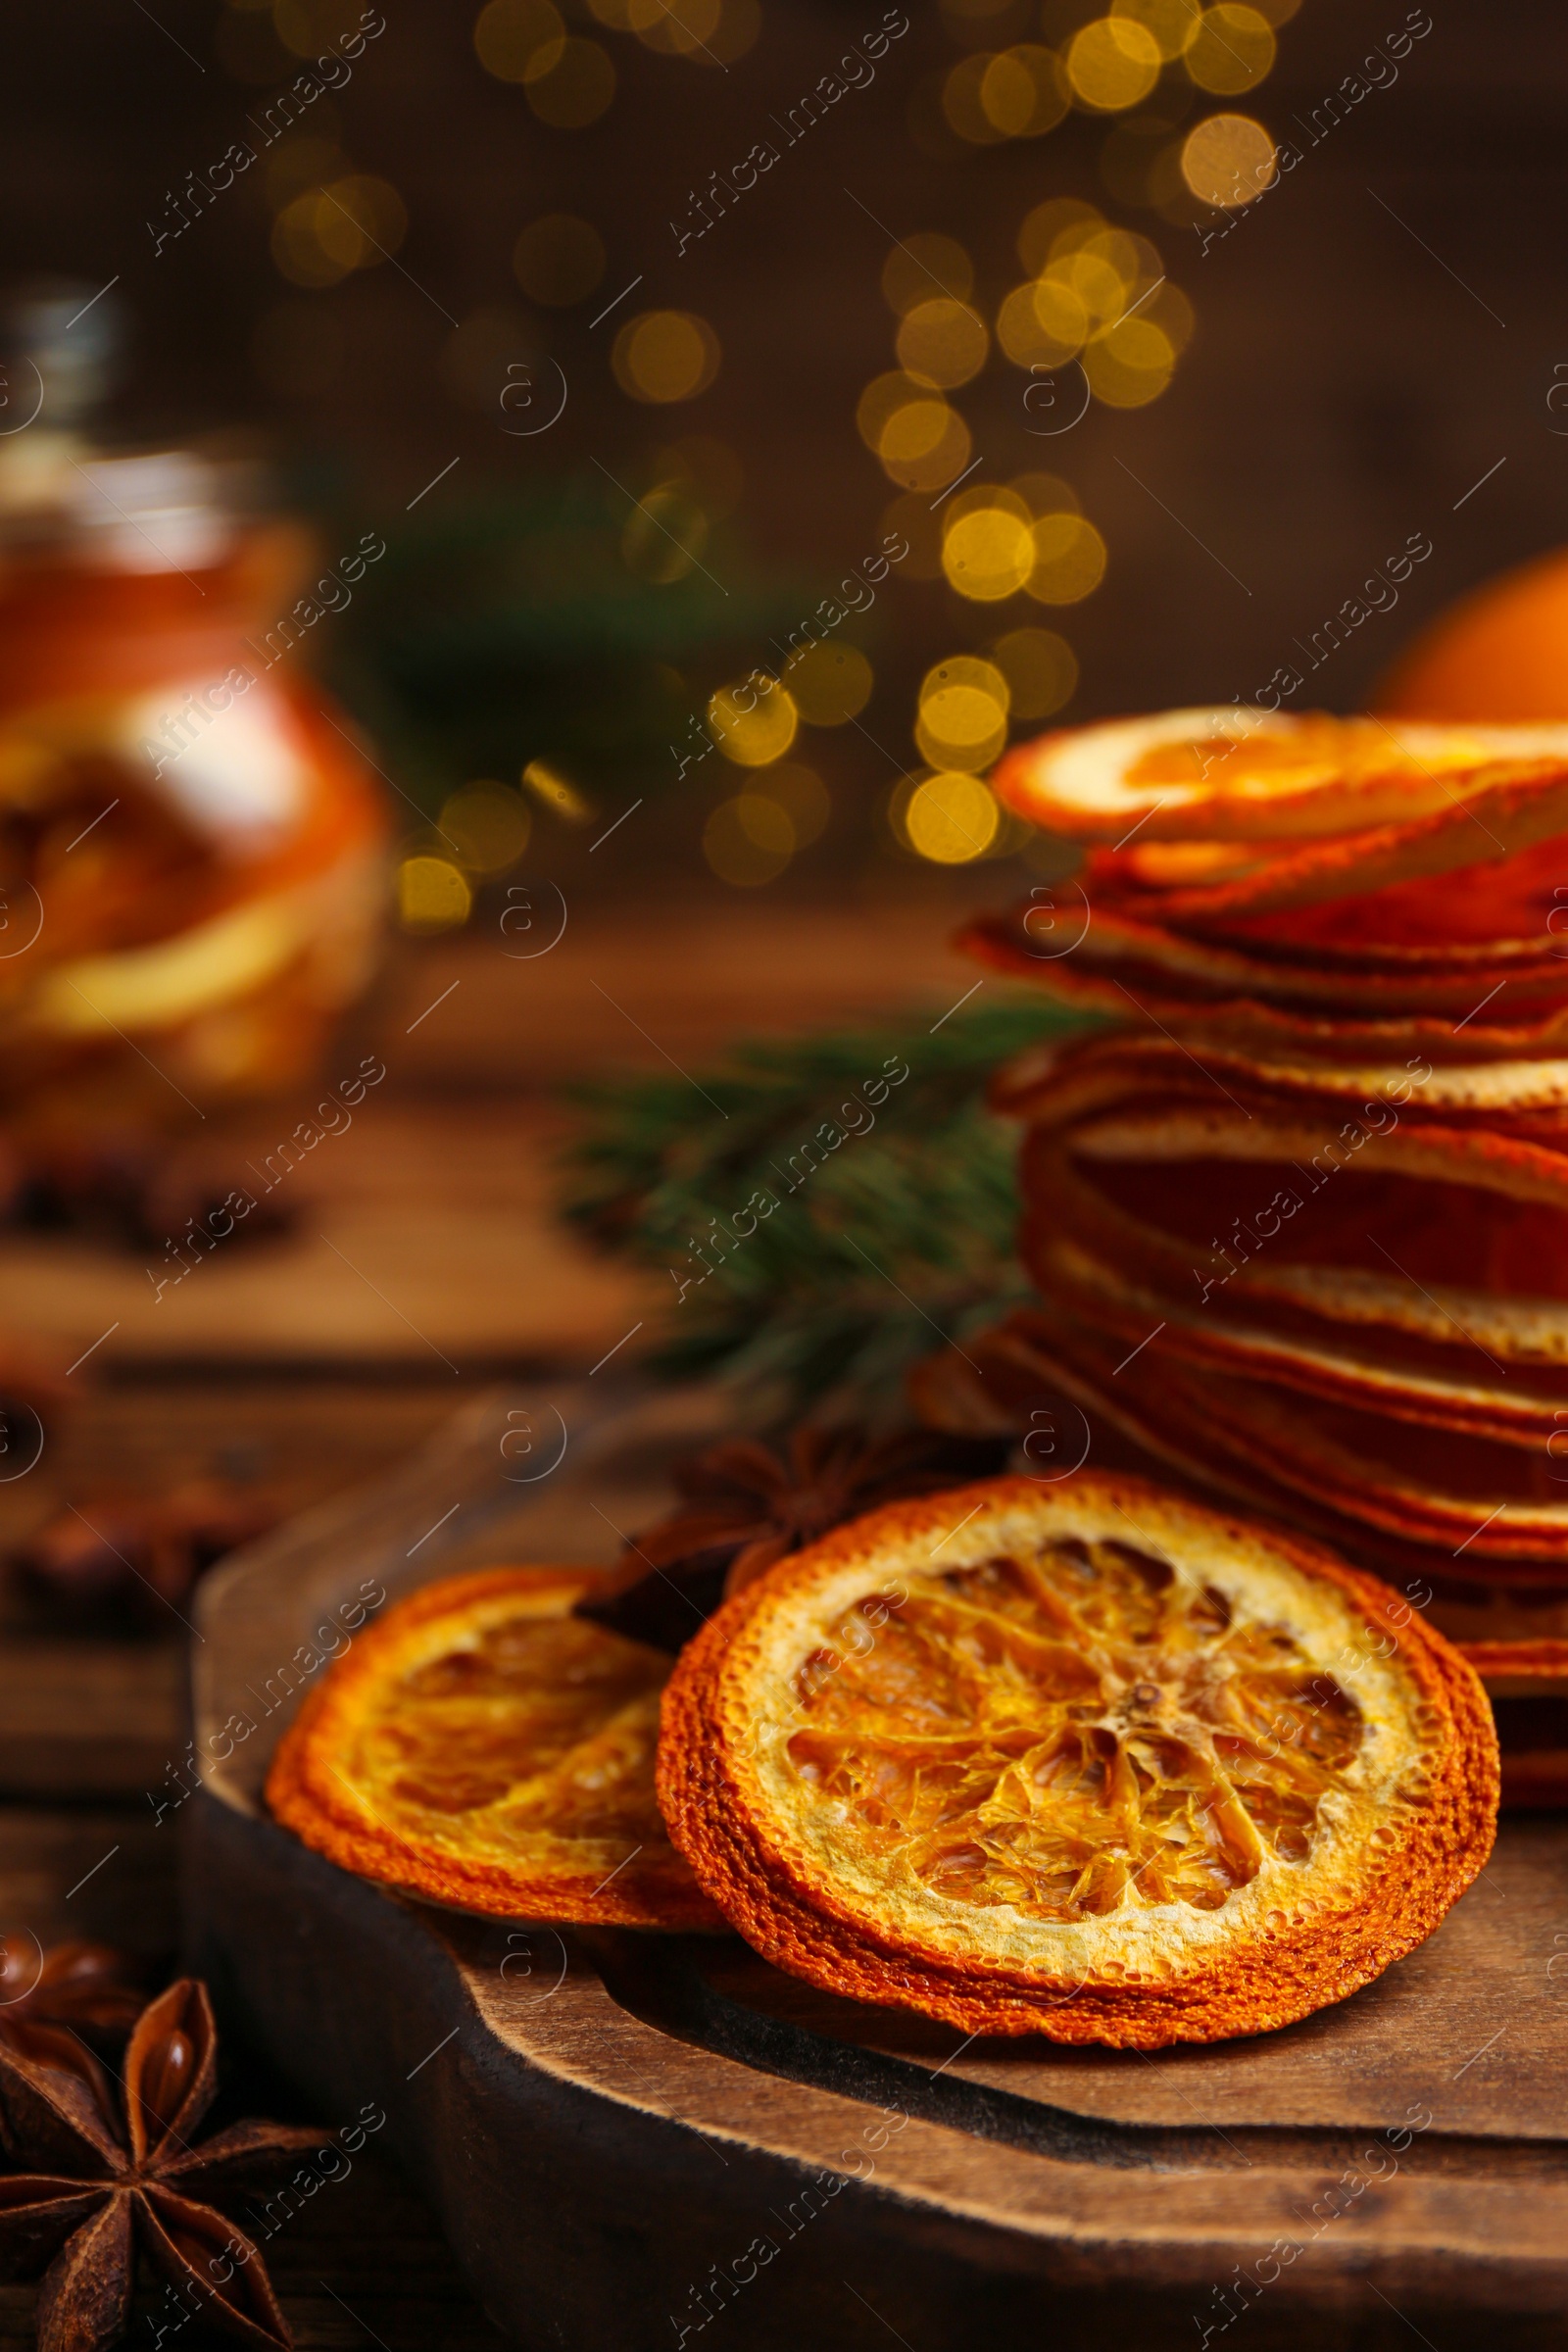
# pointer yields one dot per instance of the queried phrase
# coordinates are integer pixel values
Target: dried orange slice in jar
(1082, 1759)
(482, 1747)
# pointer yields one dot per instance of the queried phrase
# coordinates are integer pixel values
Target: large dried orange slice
(1238, 774)
(1078, 1759)
(483, 1747)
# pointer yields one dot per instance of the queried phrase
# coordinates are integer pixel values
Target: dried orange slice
(482, 1747)
(1238, 774)
(1081, 1760)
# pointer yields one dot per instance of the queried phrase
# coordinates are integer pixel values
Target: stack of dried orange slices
(1300, 1221)
(1081, 1760)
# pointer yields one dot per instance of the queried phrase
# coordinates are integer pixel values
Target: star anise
(748, 1504)
(131, 1559)
(50, 1999)
(108, 2178)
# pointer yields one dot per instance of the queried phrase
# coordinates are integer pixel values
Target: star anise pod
(108, 2178)
(50, 1999)
(746, 1504)
(131, 1559)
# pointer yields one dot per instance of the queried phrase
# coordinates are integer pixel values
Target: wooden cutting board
(634, 2138)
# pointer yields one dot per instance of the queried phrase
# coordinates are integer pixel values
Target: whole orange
(1501, 652)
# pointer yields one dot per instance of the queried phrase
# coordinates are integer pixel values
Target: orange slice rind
(1238, 774)
(1077, 1759)
(482, 1747)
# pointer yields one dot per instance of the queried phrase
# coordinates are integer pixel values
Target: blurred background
(769, 365)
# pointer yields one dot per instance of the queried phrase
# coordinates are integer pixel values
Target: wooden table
(421, 1261)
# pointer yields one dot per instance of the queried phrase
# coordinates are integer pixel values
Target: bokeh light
(829, 684)
(1231, 50)
(664, 534)
(520, 40)
(923, 265)
(962, 718)
(943, 343)
(1228, 160)
(433, 894)
(352, 224)
(1041, 669)
(1112, 64)
(1069, 559)
(1058, 217)
(1130, 363)
(1170, 22)
(306, 28)
(951, 818)
(663, 356)
(578, 88)
(924, 444)
(557, 792)
(988, 554)
(558, 260)
(1042, 324)
(1024, 91)
(804, 798)
(963, 107)
(752, 722)
(748, 840)
(488, 825)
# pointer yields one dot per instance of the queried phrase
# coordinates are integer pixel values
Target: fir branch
(874, 1249)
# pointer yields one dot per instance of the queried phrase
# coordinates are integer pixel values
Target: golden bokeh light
(1172, 23)
(924, 444)
(829, 684)
(1112, 64)
(300, 163)
(520, 40)
(1047, 494)
(664, 534)
(558, 260)
(962, 718)
(1231, 50)
(433, 894)
(676, 31)
(1057, 217)
(663, 356)
(988, 554)
(1228, 160)
(748, 840)
(487, 826)
(1024, 91)
(754, 721)
(1041, 669)
(578, 88)
(883, 396)
(1130, 365)
(963, 105)
(804, 798)
(1069, 559)
(352, 224)
(943, 343)
(924, 264)
(951, 818)
(708, 32)
(557, 792)
(308, 28)
(1042, 324)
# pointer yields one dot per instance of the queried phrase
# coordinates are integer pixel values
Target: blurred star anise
(746, 1504)
(106, 2179)
(132, 1559)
